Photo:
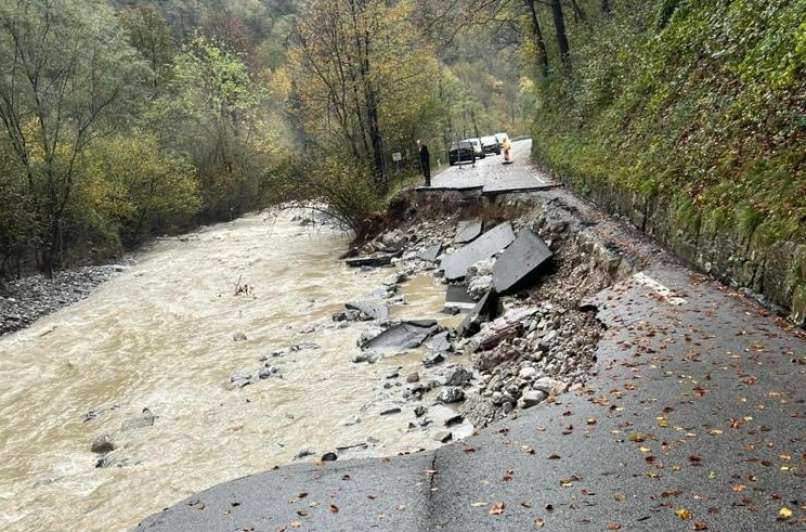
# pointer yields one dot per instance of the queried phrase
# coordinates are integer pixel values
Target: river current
(160, 336)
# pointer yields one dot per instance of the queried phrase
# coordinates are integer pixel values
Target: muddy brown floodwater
(160, 336)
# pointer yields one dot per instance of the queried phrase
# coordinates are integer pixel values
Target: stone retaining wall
(774, 270)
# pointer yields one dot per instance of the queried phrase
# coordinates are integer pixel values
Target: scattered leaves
(497, 508)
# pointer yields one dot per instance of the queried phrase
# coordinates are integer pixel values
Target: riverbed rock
(391, 410)
(102, 444)
(330, 457)
(432, 359)
(393, 373)
(413, 377)
(304, 453)
(372, 309)
(369, 357)
(420, 410)
(268, 371)
(441, 342)
(457, 376)
(443, 436)
(145, 420)
(451, 394)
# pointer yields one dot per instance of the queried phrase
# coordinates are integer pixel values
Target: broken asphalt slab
(493, 241)
(381, 259)
(696, 411)
(457, 298)
(467, 231)
(405, 335)
(373, 308)
(517, 264)
(484, 311)
(430, 253)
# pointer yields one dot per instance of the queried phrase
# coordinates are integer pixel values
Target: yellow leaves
(497, 508)
(636, 437)
(784, 513)
(683, 514)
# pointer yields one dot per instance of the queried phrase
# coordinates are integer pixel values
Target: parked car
(461, 152)
(491, 145)
(477, 147)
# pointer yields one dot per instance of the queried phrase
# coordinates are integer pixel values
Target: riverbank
(214, 355)
(25, 300)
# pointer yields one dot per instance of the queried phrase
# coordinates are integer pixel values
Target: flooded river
(160, 337)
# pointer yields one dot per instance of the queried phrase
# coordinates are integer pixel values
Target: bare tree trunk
(540, 43)
(562, 37)
(579, 14)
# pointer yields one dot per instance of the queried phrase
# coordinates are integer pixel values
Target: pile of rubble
(526, 336)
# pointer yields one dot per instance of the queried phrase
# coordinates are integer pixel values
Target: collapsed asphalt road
(693, 421)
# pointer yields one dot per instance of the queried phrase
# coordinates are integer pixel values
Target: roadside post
(397, 157)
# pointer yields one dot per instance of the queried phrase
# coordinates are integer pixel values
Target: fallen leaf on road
(699, 526)
(613, 526)
(784, 514)
(540, 523)
(497, 508)
(683, 513)
(334, 509)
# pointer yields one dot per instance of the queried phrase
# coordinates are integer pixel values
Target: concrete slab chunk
(467, 231)
(405, 335)
(456, 264)
(377, 310)
(431, 253)
(456, 297)
(485, 310)
(520, 260)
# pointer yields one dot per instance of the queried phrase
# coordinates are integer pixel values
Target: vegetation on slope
(698, 102)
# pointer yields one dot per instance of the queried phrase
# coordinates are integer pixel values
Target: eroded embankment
(529, 343)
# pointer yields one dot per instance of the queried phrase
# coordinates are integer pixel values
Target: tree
(363, 74)
(559, 28)
(212, 112)
(68, 73)
(540, 43)
(149, 33)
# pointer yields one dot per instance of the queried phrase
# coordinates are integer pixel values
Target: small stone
(390, 411)
(531, 398)
(527, 373)
(443, 436)
(412, 378)
(304, 452)
(454, 420)
(102, 445)
(330, 457)
(432, 359)
(393, 373)
(350, 421)
(420, 411)
(239, 337)
(458, 376)
(452, 395)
